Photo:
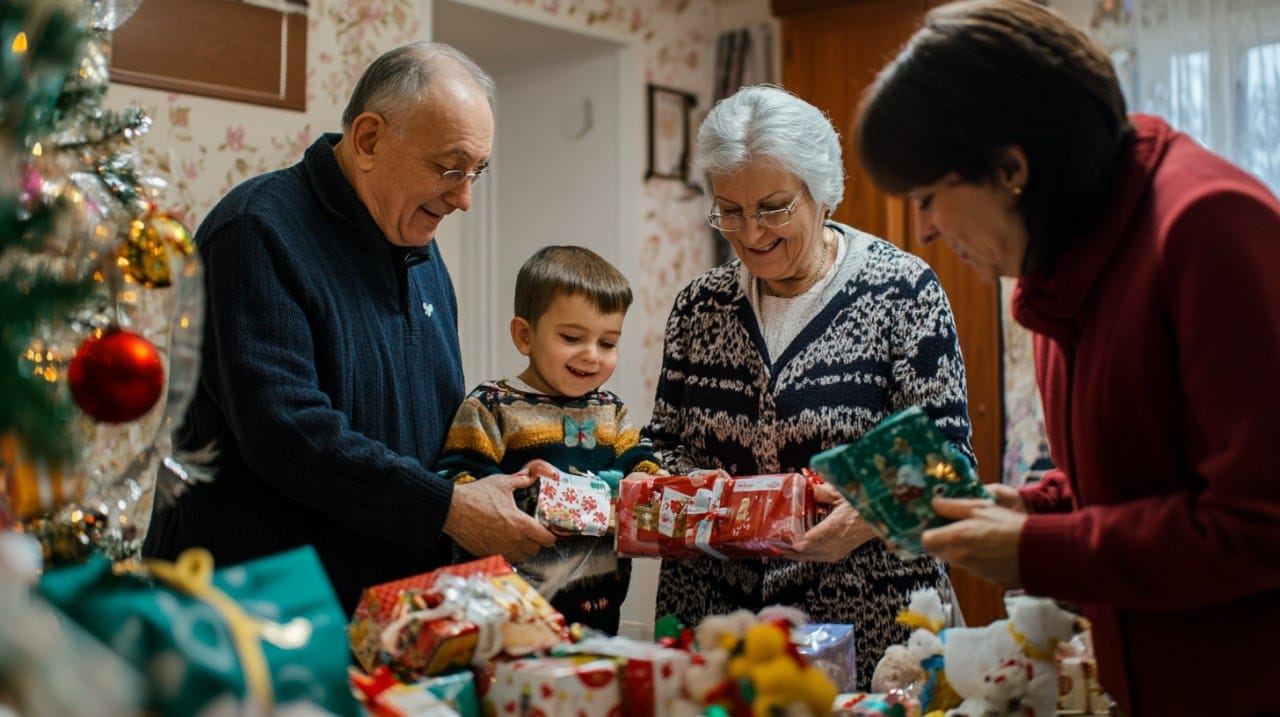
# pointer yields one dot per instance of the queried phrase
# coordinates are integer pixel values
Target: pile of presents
(476, 639)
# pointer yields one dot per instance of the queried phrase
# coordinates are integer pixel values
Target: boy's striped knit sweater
(501, 426)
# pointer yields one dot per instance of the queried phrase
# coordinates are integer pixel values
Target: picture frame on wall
(669, 140)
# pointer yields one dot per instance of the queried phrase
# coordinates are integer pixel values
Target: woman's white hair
(765, 123)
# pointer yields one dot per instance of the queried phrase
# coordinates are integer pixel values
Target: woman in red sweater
(1147, 272)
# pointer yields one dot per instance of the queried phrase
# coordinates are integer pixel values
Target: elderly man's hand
(484, 520)
(836, 535)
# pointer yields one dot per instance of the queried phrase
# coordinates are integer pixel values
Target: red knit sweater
(1157, 351)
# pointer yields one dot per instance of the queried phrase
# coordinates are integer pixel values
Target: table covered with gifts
(473, 639)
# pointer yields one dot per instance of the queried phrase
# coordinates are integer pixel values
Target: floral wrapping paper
(451, 618)
(571, 504)
(891, 474)
(713, 515)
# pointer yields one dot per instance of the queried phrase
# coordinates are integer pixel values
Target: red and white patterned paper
(575, 505)
(555, 686)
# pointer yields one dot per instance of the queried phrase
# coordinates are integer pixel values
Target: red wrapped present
(554, 686)
(451, 617)
(652, 675)
(711, 514)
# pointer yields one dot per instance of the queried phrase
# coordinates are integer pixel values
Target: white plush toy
(1008, 667)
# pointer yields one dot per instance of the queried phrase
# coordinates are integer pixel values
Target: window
(1210, 67)
(1258, 113)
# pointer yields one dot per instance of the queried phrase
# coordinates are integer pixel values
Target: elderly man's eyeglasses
(453, 178)
(771, 219)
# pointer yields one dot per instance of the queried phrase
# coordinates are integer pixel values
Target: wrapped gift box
(408, 701)
(892, 473)
(652, 675)
(451, 617)
(571, 504)
(553, 686)
(382, 695)
(712, 515)
(874, 704)
(266, 631)
(457, 690)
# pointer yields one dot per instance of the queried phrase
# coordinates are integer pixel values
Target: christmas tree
(100, 296)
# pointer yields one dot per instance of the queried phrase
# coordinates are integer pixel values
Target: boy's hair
(555, 271)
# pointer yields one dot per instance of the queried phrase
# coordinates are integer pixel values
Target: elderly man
(331, 364)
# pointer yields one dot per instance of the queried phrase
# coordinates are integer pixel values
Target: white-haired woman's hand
(841, 532)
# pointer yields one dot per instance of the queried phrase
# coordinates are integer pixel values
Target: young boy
(569, 308)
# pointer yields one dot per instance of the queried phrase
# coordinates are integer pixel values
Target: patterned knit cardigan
(885, 340)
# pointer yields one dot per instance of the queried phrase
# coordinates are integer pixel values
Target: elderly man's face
(405, 187)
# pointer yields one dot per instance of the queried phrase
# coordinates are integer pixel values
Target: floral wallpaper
(203, 147)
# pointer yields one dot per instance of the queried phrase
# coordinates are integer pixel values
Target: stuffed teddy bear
(896, 670)
(1008, 667)
(783, 682)
(917, 667)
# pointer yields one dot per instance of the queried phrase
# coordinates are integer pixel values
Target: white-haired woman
(811, 336)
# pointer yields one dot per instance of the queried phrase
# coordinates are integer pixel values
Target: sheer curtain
(1210, 67)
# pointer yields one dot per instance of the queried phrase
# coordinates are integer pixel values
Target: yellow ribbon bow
(192, 573)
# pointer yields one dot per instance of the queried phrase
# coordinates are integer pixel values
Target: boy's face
(572, 349)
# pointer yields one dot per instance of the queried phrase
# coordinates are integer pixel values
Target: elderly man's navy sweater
(331, 371)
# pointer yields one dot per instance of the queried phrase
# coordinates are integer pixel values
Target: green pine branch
(40, 44)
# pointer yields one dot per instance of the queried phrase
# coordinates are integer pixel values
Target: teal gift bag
(266, 632)
(891, 474)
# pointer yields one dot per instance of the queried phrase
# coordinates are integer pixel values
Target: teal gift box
(457, 690)
(891, 474)
(267, 632)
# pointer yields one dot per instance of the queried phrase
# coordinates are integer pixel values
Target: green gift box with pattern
(262, 633)
(891, 474)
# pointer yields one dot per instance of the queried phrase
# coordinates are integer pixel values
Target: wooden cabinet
(831, 51)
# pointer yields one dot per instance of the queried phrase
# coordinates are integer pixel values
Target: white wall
(1077, 11)
(560, 188)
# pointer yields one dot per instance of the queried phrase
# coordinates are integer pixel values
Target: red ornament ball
(116, 377)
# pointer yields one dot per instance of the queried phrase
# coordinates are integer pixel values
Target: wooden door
(831, 51)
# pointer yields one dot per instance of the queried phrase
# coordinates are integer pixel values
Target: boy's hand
(484, 520)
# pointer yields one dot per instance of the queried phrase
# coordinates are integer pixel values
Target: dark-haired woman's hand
(984, 538)
(1007, 497)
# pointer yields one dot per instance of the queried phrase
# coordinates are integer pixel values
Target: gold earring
(1017, 191)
